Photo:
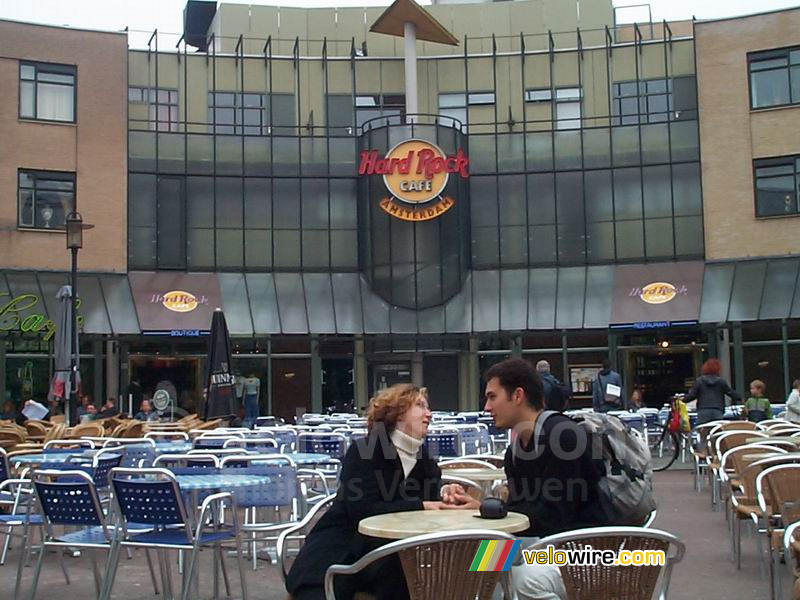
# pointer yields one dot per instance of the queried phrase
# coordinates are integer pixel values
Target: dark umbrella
(61, 386)
(220, 401)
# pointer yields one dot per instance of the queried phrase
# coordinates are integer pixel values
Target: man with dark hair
(605, 398)
(551, 476)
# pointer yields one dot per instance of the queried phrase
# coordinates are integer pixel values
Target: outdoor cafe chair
(152, 497)
(285, 436)
(159, 436)
(69, 499)
(601, 582)
(76, 443)
(271, 506)
(700, 453)
(332, 444)
(436, 565)
(21, 515)
(295, 535)
(259, 444)
(139, 452)
(444, 444)
(791, 545)
(465, 463)
(776, 487)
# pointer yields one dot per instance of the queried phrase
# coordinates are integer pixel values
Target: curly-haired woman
(388, 471)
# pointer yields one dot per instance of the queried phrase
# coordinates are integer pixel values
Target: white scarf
(407, 449)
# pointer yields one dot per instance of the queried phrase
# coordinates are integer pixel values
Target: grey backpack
(626, 483)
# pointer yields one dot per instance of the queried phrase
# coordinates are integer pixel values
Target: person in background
(635, 402)
(710, 390)
(146, 412)
(109, 409)
(388, 471)
(602, 399)
(553, 397)
(251, 388)
(9, 412)
(757, 408)
(82, 411)
(793, 403)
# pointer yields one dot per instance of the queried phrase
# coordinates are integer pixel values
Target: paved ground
(706, 571)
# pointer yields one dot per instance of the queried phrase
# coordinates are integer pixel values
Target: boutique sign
(415, 173)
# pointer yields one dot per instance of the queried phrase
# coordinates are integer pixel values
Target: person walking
(710, 390)
(555, 396)
(251, 388)
(607, 390)
(793, 403)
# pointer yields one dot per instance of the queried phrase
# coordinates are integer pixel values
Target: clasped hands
(453, 497)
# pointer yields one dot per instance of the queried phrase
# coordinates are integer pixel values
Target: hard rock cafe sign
(415, 173)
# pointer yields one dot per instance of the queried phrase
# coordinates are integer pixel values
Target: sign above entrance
(175, 302)
(660, 293)
(415, 173)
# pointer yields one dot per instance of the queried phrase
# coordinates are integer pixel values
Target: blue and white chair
(332, 444)
(285, 436)
(69, 498)
(252, 444)
(271, 506)
(152, 497)
(444, 444)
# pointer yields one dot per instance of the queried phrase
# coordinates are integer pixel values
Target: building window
(390, 106)
(162, 114)
(47, 92)
(45, 198)
(774, 77)
(237, 113)
(454, 106)
(648, 101)
(567, 114)
(776, 186)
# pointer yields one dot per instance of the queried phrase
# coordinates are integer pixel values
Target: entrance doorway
(184, 373)
(659, 372)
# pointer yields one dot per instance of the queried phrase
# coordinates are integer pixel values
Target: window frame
(555, 97)
(45, 174)
(771, 54)
(149, 98)
(790, 161)
(239, 126)
(642, 96)
(55, 68)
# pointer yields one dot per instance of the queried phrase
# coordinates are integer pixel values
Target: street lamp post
(75, 227)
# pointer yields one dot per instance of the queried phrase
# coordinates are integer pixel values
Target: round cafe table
(400, 525)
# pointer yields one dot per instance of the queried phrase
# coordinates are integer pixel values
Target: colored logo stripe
(495, 555)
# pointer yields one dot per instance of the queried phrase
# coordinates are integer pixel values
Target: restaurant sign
(415, 173)
(659, 292)
(18, 314)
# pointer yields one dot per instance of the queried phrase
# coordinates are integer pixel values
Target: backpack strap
(539, 427)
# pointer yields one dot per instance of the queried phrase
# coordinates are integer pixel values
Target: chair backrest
(731, 439)
(68, 498)
(775, 486)
(332, 444)
(436, 565)
(258, 444)
(747, 478)
(734, 458)
(739, 425)
(495, 460)
(167, 435)
(56, 432)
(102, 463)
(444, 443)
(90, 429)
(784, 430)
(35, 429)
(465, 463)
(150, 497)
(69, 444)
(280, 487)
(186, 461)
(601, 582)
(285, 436)
(135, 430)
(770, 423)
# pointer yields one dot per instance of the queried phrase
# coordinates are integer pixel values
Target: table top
(477, 473)
(400, 525)
(52, 457)
(222, 481)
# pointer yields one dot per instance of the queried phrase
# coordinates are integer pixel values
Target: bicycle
(666, 439)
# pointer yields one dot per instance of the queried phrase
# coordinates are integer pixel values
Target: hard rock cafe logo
(659, 292)
(415, 173)
(178, 301)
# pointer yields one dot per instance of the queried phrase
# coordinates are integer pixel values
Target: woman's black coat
(371, 483)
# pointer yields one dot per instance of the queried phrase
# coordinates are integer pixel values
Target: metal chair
(285, 436)
(436, 565)
(442, 444)
(297, 533)
(332, 444)
(602, 582)
(76, 443)
(158, 436)
(152, 497)
(278, 496)
(258, 444)
(70, 499)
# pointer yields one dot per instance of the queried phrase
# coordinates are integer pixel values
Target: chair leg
(240, 563)
(152, 571)
(111, 570)
(36, 572)
(162, 573)
(6, 545)
(63, 564)
(224, 571)
(190, 574)
(96, 572)
(22, 559)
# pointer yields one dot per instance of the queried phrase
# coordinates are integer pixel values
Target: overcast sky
(166, 15)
